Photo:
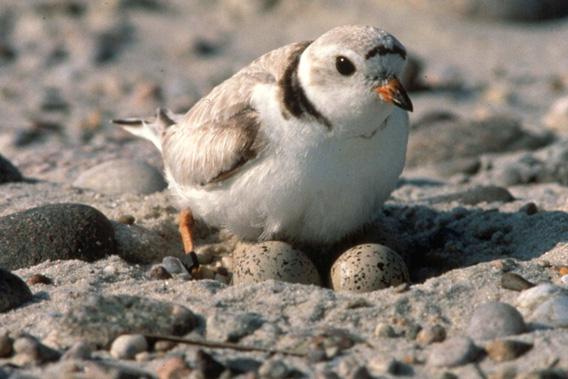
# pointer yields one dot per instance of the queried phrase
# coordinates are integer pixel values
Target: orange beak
(393, 92)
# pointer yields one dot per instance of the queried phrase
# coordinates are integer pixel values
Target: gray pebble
(475, 195)
(515, 282)
(127, 346)
(13, 291)
(384, 331)
(382, 364)
(495, 319)
(273, 369)
(8, 172)
(101, 319)
(174, 265)
(122, 176)
(208, 365)
(453, 352)
(52, 232)
(368, 267)
(272, 260)
(28, 350)
(81, 350)
(552, 312)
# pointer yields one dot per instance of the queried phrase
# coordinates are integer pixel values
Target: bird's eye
(344, 66)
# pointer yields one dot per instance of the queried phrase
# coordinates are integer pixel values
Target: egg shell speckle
(368, 267)
(255, 263)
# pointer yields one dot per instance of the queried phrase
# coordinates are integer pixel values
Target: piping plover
(303, 144)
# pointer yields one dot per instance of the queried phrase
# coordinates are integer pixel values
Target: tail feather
(152, 130)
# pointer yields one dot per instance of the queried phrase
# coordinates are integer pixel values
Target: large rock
(99, 320)
(13, 291)
(122, 176)
(439, 140)
(55, 231)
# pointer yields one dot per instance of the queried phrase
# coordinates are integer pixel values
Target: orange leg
(186, 223)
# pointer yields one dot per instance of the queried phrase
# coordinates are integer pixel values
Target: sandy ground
(68, 67)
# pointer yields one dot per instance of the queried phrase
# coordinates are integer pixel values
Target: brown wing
(222, 131)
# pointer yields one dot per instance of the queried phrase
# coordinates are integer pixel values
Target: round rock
(274, 260)
(8, 172)
(495, 319)
(55, 231)
(368, 267)
(122, 176)
(127, 346)
(552, 312)
(13, 291)
(453, 352)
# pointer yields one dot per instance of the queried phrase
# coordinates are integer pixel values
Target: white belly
(313, 187)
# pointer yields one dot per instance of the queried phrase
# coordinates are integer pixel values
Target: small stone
(127, 346)
(173, 368)
(39, 279)
(204, 256)
(52, 232)
(557, 116)
(79, 351)
(529, 299)
(204, 272)
(506, 350)
(552, 313)
(126, 219)
(174, 265)
(163, 346)
(273, 369)
(208, 365)
(515, 282)
(122, 176)
(158, 272)
(456, 351)
(411, 331)
(381, 364)
(28, 350)
(368, 267)
(13, 291)
(429, 335)
(495, 319)
(529, 209)
(8, 172)
(384, 331)
(475, 195)
(5, 344)
(255, 263)
(227, 262)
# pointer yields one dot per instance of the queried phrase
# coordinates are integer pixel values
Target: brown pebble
(173, 368)
(158, 272)
(506, 350)
(426, 336)
(563, 270)
(5, 345)
(126, 219)
(515, 282)
(39, 279)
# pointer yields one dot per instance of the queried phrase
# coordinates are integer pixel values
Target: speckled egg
(254, 263)
(368, 267)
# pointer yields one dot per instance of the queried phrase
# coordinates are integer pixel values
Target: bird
(302, 145)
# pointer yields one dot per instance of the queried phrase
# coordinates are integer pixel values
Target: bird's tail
(152, 130)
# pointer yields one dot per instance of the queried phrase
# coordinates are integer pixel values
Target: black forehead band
(383, 50)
